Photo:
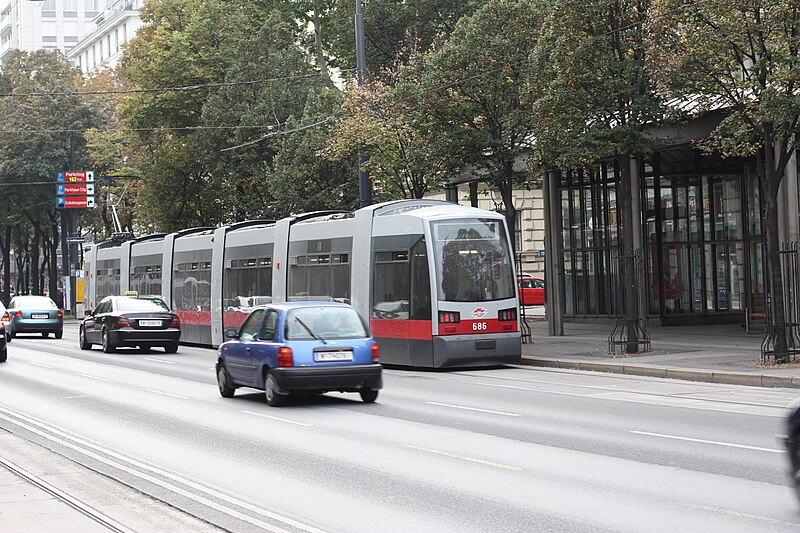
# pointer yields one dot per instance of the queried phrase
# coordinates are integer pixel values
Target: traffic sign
(75, 240)
(74, 202)
(83, 176)
(74, 189)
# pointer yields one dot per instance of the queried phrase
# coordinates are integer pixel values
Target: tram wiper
(308, 329)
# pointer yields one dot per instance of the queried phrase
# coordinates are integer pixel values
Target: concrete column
(789, 221)
(554, 264)
(638, 239)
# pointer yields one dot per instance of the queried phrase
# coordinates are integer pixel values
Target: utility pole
(364, 183)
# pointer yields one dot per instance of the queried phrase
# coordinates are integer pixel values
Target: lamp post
(364, 183)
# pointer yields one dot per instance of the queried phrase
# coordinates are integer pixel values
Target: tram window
(421, 283)
(319, 277)
(390, 287)
(191, 284)
(108, 273)
(146, 274)
(473, 261)
(247, 283)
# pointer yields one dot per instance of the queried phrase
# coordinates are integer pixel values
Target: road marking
(703, 441)
(159, 360)
(279, 419)
(472, 409)
(93, 377)
(74, 397)
(40, 364)
(63, 438)
(463, 457)
(166, 394)
(739, 514)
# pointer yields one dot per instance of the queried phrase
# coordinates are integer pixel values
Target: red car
(531, 290)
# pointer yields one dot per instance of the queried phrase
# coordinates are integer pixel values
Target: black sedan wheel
(84, 344)
(368, 396)
(225, 390)
(3, 354)
(274, 398)
(171, 347)
(108, 346)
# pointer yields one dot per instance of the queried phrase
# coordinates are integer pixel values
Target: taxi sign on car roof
(130, 293)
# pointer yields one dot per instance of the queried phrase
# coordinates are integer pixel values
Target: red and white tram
(434, 279)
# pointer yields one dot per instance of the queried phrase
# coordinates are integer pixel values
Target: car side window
(538, 284)
(250, 326)
(267, 332)
(12, 304)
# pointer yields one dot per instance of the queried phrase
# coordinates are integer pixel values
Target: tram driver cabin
(434, 280)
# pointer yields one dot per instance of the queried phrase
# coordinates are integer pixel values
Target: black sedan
(130, 321)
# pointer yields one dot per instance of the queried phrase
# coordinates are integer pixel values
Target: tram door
(401, 308)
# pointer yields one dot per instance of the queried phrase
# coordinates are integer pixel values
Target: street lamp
(364, 183)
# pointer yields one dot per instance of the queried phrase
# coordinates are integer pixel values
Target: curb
(708, 376)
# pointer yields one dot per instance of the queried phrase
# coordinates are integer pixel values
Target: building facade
(114, 26)
(46, 24)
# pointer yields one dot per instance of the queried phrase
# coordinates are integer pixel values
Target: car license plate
(333, 356)
(40, 315)
(150, 323)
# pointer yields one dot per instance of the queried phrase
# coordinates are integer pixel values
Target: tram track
(82, 507)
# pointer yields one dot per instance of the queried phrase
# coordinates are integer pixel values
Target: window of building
(89, 5)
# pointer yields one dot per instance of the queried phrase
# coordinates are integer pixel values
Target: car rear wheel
(368, 396)
(274, 398)
(9, 336)
(3, 354)
(171, 347)
(225, 390)
(82, 340)
(108, 346)
(794, 457)
(59, 333)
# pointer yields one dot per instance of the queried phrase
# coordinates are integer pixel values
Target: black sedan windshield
(137, 305)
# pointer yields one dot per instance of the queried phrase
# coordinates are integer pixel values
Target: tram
(435, 280)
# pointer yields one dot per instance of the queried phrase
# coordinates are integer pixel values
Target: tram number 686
(479, 326)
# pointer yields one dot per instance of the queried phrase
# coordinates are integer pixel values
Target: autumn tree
(743, 56)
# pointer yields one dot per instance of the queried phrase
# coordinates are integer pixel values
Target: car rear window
(325, 323)
(141, 305)
(42, 302)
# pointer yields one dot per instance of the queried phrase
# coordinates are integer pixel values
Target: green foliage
(597, 99)
(744, 56)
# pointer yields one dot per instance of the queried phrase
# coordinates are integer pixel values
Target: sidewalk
(712, 353)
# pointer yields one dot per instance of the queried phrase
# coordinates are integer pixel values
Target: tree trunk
(627, 265)
(54, 266)
(322, 63)
(5, 249)
(35, 287)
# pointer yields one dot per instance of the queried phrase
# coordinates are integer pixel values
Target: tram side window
(391, 287)
(108, 274)
(146, 279)
(320, 277)
(191, 286)
(247, 283)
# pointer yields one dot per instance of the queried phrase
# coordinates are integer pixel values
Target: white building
(114, 26)
(46, 24)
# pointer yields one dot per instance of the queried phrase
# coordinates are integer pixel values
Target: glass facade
(702, 243)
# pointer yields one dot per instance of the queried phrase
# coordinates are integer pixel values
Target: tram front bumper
(477, 350)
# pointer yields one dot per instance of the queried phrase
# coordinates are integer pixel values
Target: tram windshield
(473, 261)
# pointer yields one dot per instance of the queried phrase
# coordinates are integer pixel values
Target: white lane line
(159, 360)
(471, 409)
(40, 364)
(463, 457)
(130, 465)
(703, 441)
(166, 394)
(93, 377)
(738, 514)
(286, 420)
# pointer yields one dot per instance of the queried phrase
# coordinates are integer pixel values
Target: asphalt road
(506, 449)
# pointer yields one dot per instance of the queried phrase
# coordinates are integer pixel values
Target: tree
(43, 136)
(472, 93)
(744, 56)
(599, 102)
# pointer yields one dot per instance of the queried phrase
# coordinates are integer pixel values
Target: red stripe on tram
(401, 329)
(233, 319)
(195, 318)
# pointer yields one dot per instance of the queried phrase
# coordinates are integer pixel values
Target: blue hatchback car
(311, 347)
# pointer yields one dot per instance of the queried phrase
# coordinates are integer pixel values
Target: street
(504, 449)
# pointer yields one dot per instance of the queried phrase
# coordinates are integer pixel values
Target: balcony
(114, 9)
